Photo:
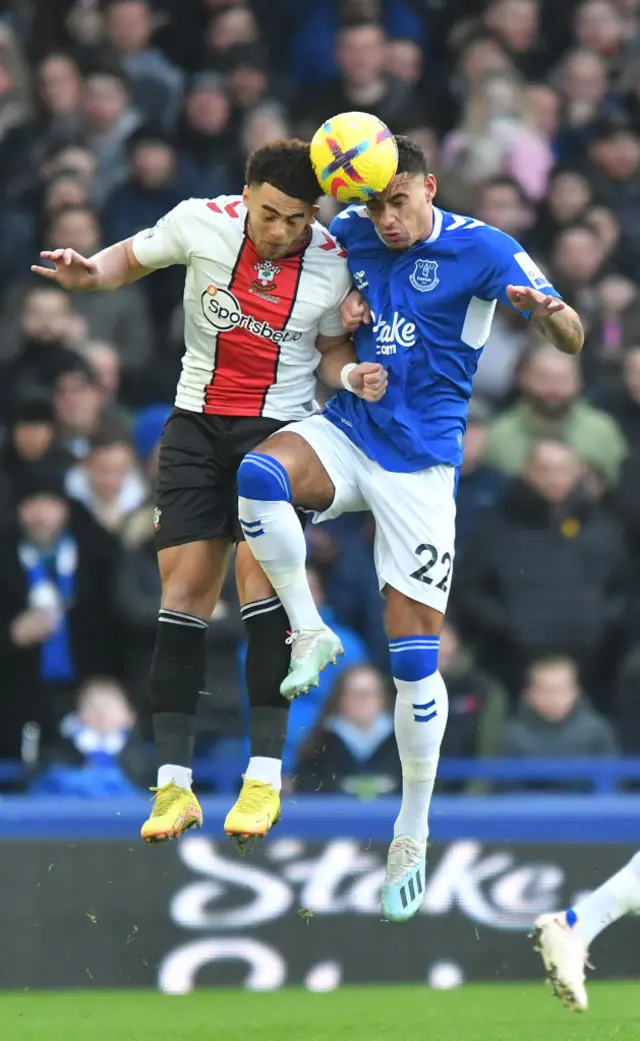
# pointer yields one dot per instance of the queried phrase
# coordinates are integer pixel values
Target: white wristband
(344, 375)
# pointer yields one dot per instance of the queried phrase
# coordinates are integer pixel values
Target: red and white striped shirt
(250, 324)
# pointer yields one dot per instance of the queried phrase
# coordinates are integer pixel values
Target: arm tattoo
(563, 329)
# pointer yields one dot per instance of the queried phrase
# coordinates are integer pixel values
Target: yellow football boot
(174, 810)
(256, 811)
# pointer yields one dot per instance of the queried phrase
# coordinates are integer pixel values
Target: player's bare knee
(407, 617)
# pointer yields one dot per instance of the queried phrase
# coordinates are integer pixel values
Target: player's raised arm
(515, 279)
(122, 263)
(339, 369)
(558, 322)
(111, 268)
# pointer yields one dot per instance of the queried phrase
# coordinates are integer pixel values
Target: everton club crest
(424, 277)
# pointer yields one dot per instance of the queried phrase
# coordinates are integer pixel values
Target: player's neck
(427, 226)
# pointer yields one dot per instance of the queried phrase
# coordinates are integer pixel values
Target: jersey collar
(437, 227)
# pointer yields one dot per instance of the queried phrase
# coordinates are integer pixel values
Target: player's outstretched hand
(355, 311)
(70, 270)
(524, 298)
(369, 380)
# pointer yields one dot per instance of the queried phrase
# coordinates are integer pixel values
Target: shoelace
(165, 797)
(301, 643)
(251, 798)
(403, 856)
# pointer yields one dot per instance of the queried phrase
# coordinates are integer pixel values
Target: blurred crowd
(111, 112)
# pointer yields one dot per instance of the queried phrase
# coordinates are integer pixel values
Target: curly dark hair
(411, 158)
(287, 166)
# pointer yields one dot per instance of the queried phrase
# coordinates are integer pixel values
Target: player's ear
(430, 187)
(315, 210)
(246, 191)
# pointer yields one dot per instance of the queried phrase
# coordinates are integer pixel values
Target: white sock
(263, 768)
(618, 896)
(180, 774)
(281, 551)
(419, 733)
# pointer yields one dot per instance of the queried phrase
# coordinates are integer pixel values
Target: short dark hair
(411, 158)
(549, 660)
(503, 181)
(286, 165)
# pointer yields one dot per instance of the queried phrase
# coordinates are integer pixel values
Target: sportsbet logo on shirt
(223, 312)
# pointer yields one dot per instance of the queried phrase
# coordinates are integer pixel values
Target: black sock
(267, 664)
(177, 677)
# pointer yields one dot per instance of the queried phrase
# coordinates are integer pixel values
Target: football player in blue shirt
(427, 283)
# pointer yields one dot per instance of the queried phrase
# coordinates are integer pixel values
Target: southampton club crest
(266, 273)
(424, 277)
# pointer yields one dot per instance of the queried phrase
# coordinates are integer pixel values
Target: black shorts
(197, 490)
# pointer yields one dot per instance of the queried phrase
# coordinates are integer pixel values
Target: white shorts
(415, 513)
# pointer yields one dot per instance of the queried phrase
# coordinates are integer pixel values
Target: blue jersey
(432, 308)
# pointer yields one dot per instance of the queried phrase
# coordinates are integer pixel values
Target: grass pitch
(490, 1012)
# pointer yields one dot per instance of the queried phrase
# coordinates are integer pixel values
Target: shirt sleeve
(330, 323)
(164, 244)
(511, 265)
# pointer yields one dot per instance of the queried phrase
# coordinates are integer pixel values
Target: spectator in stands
(109, 119)
(206, 142)
(517, 23)
(104, 359)
(153, 188)
(341, 552)
(567, 202)
(97, 752)
(577, 262)
(403, 59)
(555, 719)
(496, 137)
(228, 27)
(598, 27)
(480, 486)
(477, 704)
(82, 407)
(17, 130)
(264, 123)
(70, 157)
(304, 712)
(362, 82)
(31, 438)
(43, 345)
(551, 407)
(543, 105)
(500, 201)
(156, 84)
(352, 748)
(582, 82)
(62, 191)
(615, 326)
(615, 158)
(247, 74)
(107, 481)
(59, 86)
(522, 587)
(57, 623)
(122, 318)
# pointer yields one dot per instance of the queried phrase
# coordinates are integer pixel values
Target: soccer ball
(354, 156)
